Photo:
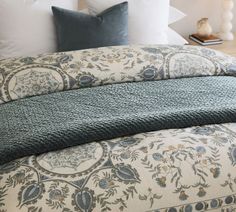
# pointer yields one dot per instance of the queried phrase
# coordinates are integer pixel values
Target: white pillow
(148, 19)
(175, 15)
(27, 28)
(172, 36)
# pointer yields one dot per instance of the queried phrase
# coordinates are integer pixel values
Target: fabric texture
(175, 15)
(172, 36)
(77, 30)
(148, 20)
(60, 100)
(194, 167)
(74, 117)
(50, 73)
(27, 28)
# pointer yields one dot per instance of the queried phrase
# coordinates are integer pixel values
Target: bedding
(76, 30)
(173, 37)
(27, 28)
(148, 20)
(128, 128)
(175, 15)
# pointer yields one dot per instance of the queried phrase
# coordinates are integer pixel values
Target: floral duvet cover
(182, 169)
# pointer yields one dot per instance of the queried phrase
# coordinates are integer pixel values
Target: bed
(127, 128)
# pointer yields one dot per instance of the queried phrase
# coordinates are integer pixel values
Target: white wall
(195, 10)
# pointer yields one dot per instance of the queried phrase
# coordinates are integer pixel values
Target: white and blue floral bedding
(189, 169)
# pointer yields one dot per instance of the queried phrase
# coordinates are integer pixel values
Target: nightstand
(228, 47)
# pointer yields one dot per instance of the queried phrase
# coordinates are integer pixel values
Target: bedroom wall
(195, 9)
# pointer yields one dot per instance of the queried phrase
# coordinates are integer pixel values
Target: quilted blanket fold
(50, 122)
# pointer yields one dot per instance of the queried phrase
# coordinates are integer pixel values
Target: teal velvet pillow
(76, 30)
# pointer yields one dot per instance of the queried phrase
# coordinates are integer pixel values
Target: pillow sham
(148, 20)
(27, 28)
(172, 36)
(175, 15)
(76, 30)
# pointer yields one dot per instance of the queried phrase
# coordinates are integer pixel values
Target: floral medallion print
(73, 160)
(174, 170)
(190, 169)
(177, 65)
(34, 81)
(39, 83)
(30, 76)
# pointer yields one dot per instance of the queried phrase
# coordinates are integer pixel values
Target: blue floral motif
(56, 194)
(200, 206)
(94, 59)
(183, 196)
(83, 200)
(126, 174)
(152, 50)
(232, 154)
(129, 55)
(73, 66)
(220, 141)
(104, 183)
(149, 73)
(6, 168)
(125, 155)
(201, 150)
(157, 156)
(30, 193)
(215, 172)
(188, 208)
(214, 203)
(161, 181)
(27, 60)
(201, 192)
(229, 200)
(208, 52)
(203, 130)
(129, 142)
(172, 210)
(231, 69)
(65, 58)
(86, 80)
